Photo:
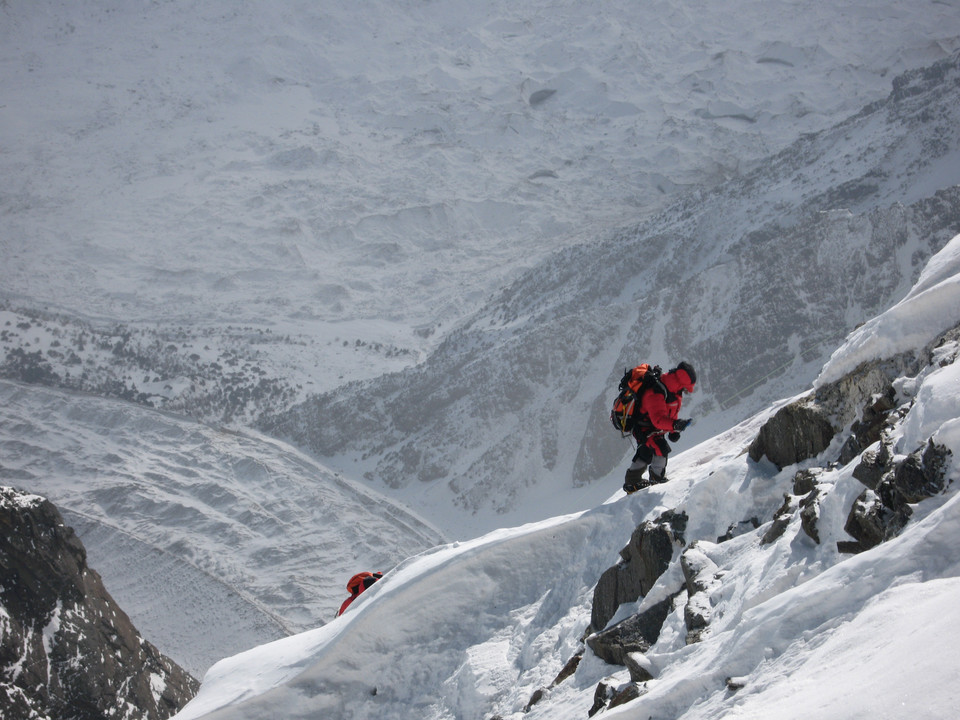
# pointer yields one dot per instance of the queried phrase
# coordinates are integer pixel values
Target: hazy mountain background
(420, 240)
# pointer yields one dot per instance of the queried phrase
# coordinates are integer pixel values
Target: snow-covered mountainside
(379, 164)
(212, 541)
(219, 210)
(753, 283)
(820, 588)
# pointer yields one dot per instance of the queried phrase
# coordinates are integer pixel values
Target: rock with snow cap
(68, 650)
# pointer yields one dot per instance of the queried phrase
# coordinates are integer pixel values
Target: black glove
(674, 436)
(681, 425)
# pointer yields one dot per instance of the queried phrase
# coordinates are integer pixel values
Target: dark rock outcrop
(608, 696)
(781, 519)
(810, 514)
(862, 399)
(644, 559)
(636, 634)
(873, 465)
(796, 432)
(882, 510)
(866, 431)
(568, 670)
(68, 651)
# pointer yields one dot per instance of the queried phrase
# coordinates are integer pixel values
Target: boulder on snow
(636, 634)
(874, 465)
(805, 498)
(67, 649)
(806, 480)
(881, 512)
(643, 560)
(796, 432)
(567, 671)
(810, 514)
(870, 523)
(781, 519)
(608, 696)
(921, 474)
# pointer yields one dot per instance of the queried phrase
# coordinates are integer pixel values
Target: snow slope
(211, 541)
(385, 165)
(470, 630)
(324, 192)
(335, 190)
(754, 282)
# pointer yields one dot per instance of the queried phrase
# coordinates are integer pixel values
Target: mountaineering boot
(634, 481)
(656, 479)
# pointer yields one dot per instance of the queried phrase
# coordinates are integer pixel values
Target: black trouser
(645, 457)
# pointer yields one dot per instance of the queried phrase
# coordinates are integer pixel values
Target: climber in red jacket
(356, 585)
(656, 421)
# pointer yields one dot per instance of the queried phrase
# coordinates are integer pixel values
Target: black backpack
(632, 386)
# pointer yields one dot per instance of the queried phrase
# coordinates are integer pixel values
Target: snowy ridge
(472, 629)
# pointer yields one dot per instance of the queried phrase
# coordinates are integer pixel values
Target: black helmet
(687, 368)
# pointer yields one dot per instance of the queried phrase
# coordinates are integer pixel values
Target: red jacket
(661, 412)
(356, 585)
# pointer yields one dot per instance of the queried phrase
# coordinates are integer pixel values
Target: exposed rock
(644, 559)
(920, 476)
(638, 667)
(874, 465)
(68, 651)
(628, 692)
(805, 485)
(796, 432)
(534, 699)
(568, 670)
(607, 696)
(781, 519)
(866, 431)
(806, 497)
(859, 396)
(881, 512)
(601, 696)
(806, 480)
(739, 528)
(634, 635)
(870, 522)
(810, 514)
(702, 579)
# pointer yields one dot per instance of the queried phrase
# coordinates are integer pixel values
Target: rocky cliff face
(68, 650)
